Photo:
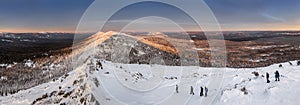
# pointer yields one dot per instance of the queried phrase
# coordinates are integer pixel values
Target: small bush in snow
(96, 82)
(244, 90)
(255, 73)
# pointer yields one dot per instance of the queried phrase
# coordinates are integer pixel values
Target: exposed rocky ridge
(126, 49)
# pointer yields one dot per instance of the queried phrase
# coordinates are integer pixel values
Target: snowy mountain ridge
(117, 69)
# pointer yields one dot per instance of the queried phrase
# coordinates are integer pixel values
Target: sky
(64, 15)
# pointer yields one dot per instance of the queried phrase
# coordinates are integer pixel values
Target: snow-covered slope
(258, 92)
(117, 84)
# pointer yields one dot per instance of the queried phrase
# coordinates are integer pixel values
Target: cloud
(255, 13)
(273, 18)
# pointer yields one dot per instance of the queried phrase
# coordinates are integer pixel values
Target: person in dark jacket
(277, 76)
(206, 91)
(201, 91)
(177, 88)
(192, 91)
(267, 77)
(291, 63)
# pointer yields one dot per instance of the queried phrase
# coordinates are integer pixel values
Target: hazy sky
(64, 15)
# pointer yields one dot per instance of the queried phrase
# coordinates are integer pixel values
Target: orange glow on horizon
(66, 30)
(69, 30)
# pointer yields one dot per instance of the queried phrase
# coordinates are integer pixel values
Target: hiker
(267, 77)
(277, 76)
(201, 91)
(192, 91)
(280, 65)
(206, 91)
(177, 88)
(291, 63)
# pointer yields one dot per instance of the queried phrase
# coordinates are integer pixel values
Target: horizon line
(152, 31)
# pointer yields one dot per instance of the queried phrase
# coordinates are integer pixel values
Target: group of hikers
(277, 75)
(203, 90)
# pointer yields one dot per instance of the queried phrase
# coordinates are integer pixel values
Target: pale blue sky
(64, 15)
